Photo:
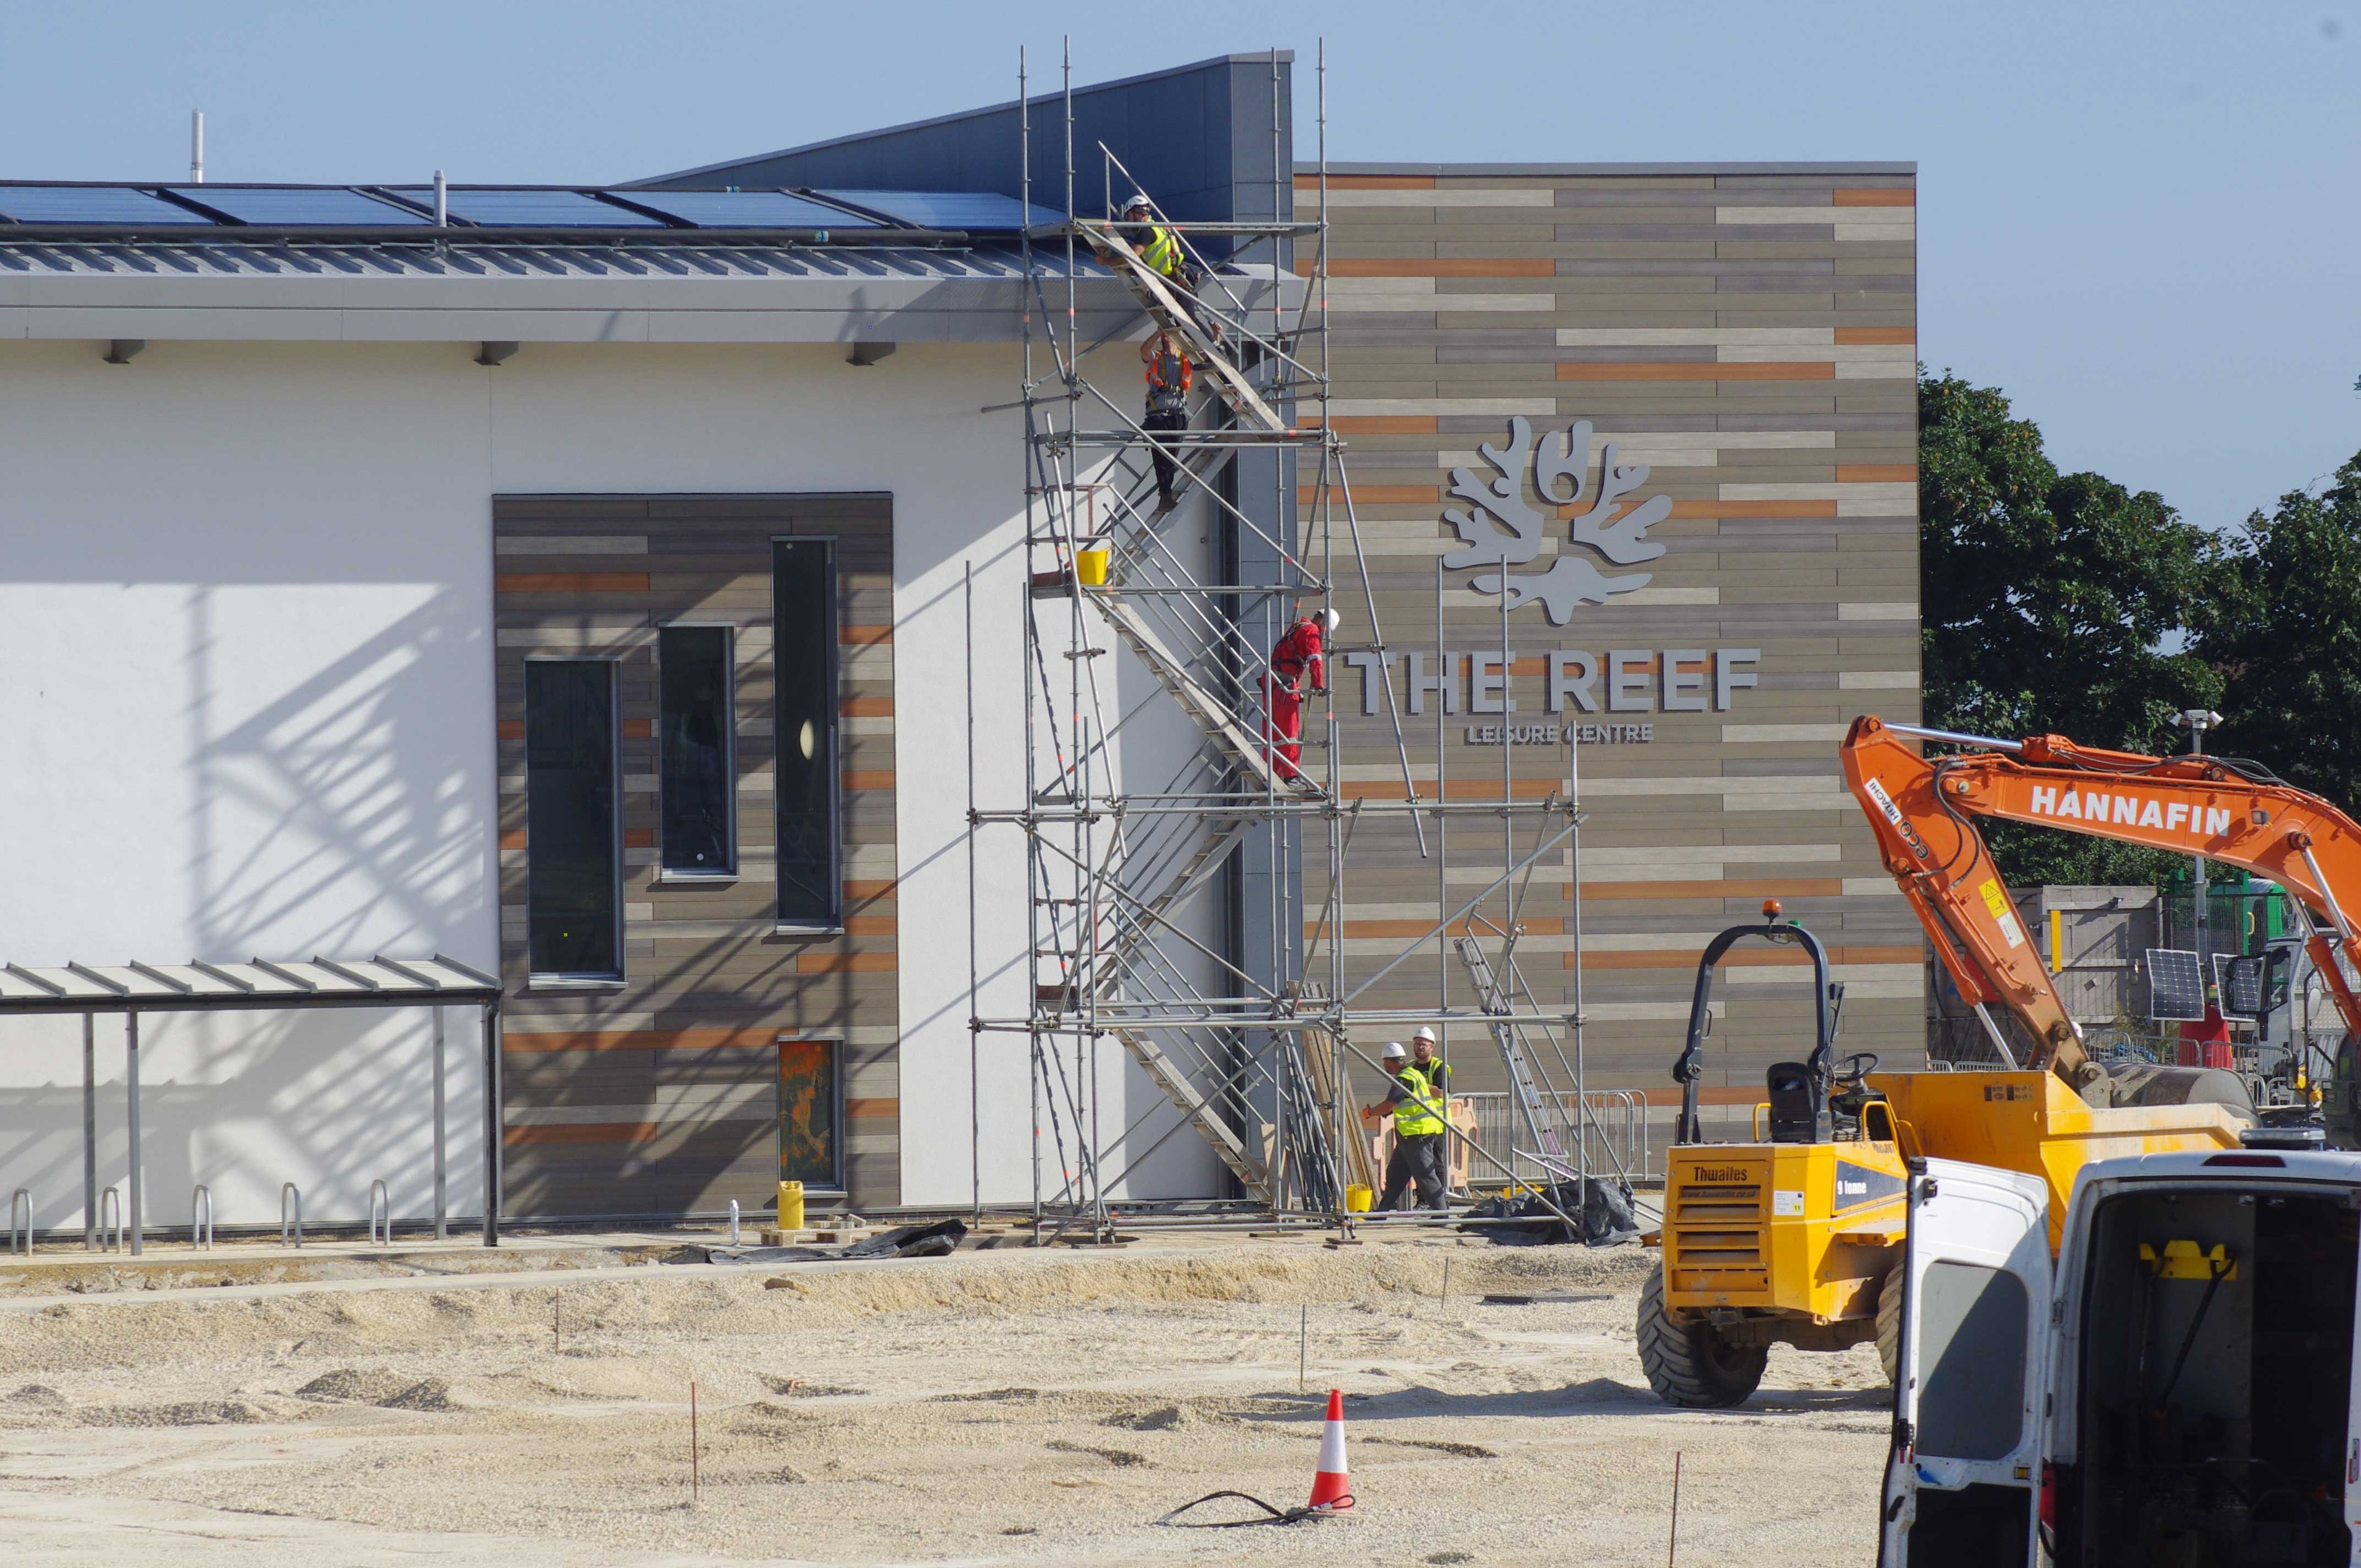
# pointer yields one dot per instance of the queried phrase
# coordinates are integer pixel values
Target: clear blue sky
(2143, 220)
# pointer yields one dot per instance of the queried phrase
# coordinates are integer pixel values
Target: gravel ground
(1020, 1408)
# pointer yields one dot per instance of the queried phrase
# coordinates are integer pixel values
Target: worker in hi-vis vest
(1419, 1134)
(1160, 249)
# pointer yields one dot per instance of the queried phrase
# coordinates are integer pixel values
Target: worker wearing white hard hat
(1419, 1133)
(1299, 661)
(1157, 244)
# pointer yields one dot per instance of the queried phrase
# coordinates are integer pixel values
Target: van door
(1962, 1478)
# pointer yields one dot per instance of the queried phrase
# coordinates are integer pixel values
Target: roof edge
(1260, 57)
(1463, 170)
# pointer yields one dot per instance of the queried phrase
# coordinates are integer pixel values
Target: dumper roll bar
(1690, 1067)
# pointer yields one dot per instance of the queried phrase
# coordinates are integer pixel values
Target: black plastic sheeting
(938, 1240)
(1604, 1208)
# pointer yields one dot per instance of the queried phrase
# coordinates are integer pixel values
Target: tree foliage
(2051, 604)
(2283, 625)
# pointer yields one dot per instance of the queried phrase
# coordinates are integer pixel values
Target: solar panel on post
(94, 204)
(2176, 985)
(523, 209)
(2239, 982)
(327, 205)
(749, 209)
(945, 209)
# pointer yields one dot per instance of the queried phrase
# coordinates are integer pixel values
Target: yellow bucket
(1356, 1198)
(791, 1205)
(1090, 567)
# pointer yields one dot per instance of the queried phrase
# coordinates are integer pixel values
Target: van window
(1970, 1360)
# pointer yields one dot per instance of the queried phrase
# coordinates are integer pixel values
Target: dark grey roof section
(1541, 171)
(1197, 136)
(258, 983)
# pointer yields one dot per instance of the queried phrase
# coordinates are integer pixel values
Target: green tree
(2284, 627)
(2048, 602)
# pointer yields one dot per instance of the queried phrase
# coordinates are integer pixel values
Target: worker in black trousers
(1419, 1135)
(1169, 375)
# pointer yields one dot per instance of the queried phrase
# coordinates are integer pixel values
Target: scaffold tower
(1183, 900)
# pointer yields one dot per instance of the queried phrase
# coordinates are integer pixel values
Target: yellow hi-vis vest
(1163, 253)
(1410, 1119)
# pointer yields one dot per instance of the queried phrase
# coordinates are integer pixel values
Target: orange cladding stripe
(1745, 508)
(1751, 958)
(848, 963)
(589, 1133)
(1874, 197)
(1793, 887)
(1877, 473)
(1454, 789)
(1379, 495)
(870, 778)
(1851, 335)
(512, 839)
(863, 636)
(1379, 424)
(538, 1041)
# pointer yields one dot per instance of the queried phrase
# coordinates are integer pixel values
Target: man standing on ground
(1168, 407)
(1419, 1134)
(1437, 1073)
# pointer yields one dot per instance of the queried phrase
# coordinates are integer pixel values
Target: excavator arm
(1925, 811)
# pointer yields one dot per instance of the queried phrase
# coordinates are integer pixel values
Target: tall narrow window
(803, 599)
(694, 734)
(809, 1113)
(573, 853)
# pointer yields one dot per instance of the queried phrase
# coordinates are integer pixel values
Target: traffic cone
(1331, 1489)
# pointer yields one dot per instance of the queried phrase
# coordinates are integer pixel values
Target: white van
(2183, 1398)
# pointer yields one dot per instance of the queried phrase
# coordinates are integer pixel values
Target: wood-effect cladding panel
(659, 1096)
(1752, 341)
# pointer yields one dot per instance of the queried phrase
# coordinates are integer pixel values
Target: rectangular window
(803, 600)
(810, 1113)
(573, 837)
(694, 736)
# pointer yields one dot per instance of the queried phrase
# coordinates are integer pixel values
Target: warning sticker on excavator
(1894, 814)
(2003, 914)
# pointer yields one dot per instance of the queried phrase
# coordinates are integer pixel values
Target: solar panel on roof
(319, 204)
(750, 209)
(92, 205)
(530, 209)
(945, 209)
(2176, 985)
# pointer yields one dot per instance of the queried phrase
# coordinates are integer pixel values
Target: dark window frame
(568, 979)
(838, 1074)
(831, 922)
(729, 871)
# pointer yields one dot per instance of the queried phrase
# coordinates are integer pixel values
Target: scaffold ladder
(1541, 1120)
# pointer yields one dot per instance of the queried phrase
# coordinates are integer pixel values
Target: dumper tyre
(1691, 1366)
(1889, 1322)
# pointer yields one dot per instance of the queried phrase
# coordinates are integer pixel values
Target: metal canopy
(277, 984)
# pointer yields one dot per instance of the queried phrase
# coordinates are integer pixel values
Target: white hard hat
(1331, 619)
(1426, 1033)
(1138, 199)
(1393, 1049)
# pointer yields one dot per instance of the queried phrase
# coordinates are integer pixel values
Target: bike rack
(733, 1221)
(201, 1217)
(110, 1204)
(379, 1202)
(289, 1193)
(23, 1195)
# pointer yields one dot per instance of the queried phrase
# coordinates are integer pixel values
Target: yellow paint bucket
(1090, 567)
(791, 1205)
(1356, 1198)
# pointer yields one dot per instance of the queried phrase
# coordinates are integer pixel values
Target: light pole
(2197, 721)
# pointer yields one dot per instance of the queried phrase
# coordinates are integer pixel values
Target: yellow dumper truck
(1795, 1237)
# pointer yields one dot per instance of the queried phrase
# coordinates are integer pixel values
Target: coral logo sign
(2106, 808)
(1502, 527)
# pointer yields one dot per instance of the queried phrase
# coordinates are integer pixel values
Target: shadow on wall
(337, 802)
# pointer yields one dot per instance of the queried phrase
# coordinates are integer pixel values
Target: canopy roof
(287, 984)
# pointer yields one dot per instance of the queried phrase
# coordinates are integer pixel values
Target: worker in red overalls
(1297, 664)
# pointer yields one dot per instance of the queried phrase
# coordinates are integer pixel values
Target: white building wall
(244, 605)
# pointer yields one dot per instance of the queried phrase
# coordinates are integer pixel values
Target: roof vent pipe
(196, 147)
(442, 202)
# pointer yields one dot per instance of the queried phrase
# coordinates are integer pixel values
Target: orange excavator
(1925, 811)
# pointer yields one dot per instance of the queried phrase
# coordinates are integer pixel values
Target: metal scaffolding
(1173, 914)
